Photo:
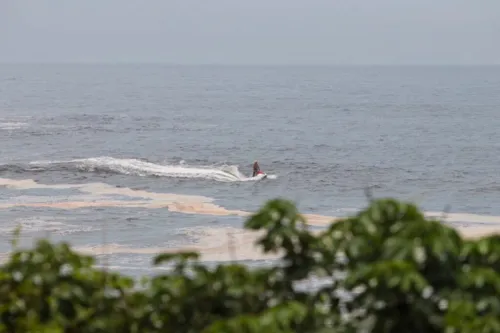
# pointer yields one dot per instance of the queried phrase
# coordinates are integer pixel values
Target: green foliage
(401, 272)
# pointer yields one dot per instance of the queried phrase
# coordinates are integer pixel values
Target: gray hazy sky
(251, 32)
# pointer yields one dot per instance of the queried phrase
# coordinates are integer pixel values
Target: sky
(257, 32)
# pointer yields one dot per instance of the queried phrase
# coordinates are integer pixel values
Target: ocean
(126, 161)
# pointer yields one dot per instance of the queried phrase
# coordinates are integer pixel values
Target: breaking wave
(225, 173)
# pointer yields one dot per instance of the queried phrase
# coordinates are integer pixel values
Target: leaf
(183, 256)
(386, 269)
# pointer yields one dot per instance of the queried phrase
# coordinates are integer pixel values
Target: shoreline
(213, 243)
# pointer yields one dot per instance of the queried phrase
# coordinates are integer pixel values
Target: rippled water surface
(144, 158)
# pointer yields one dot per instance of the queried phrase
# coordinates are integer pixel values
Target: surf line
(191, 204)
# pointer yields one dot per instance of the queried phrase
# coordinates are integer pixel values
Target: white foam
(226, 173)
(189, 204)
(46, 224)
(12, 125)
(213, 244)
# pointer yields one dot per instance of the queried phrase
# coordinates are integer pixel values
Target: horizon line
(245, 64)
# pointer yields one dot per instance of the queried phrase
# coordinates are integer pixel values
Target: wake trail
(131, 166)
